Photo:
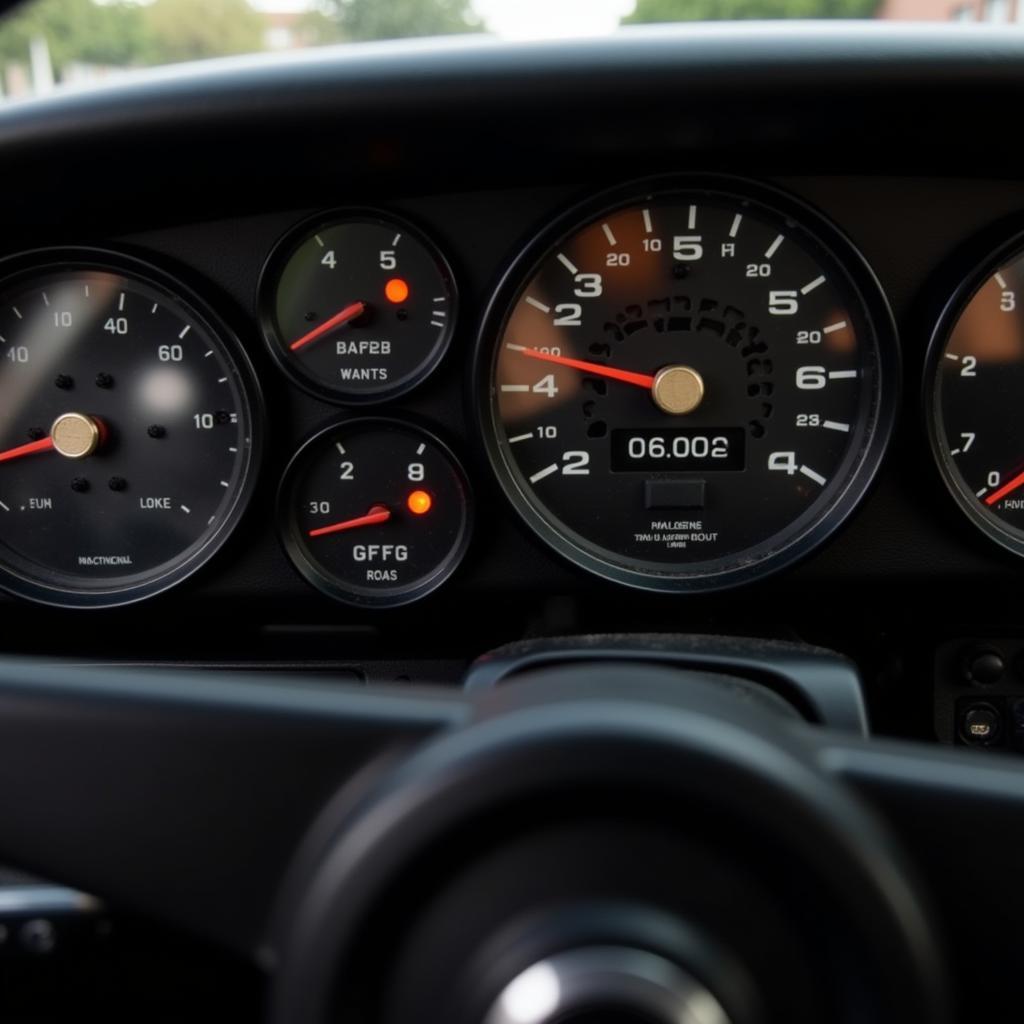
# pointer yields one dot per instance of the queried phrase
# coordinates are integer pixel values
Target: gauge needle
(1008, 488)
(641, 380)
(349, 313)
(377, 514)
(46, 445)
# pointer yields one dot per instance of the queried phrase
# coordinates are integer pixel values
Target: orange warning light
(396, 290)
(419, 503)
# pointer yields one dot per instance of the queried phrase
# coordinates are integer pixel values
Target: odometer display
(682, 448)
(126, 433)
(689, 387)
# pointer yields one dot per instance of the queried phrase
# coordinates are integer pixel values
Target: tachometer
(127, 432)
(690, 387)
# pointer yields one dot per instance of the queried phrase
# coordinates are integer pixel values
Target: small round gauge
(359, 309)
(127, 431)
(682, 389)
(974, 391)
(375, 512)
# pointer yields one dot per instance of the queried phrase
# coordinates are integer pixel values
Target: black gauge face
(358, 310)
(974, 392)
(375, 512)
(126, 435)
(687, 389)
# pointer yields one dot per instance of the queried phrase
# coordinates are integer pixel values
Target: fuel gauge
(358, 309)
(375, 512)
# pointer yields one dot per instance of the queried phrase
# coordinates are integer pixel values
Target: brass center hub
(677, 390)
(75, 435)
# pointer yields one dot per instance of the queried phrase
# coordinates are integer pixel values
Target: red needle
(641, 380)
(1006, 489)
(45, 445)
(377, 514)
(348, 313)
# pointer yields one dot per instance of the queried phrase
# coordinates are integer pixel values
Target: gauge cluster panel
(679, 385)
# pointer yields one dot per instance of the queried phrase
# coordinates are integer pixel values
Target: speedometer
(687, 387)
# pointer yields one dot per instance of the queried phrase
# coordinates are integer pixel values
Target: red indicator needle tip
(46, 445)
(350, 312)
(1008, 488)
(377, 514)
(641, 380)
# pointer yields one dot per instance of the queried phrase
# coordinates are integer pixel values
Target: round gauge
(375, 512)
(688, 387)
(974, 387)
(127, 432)
(359, 309)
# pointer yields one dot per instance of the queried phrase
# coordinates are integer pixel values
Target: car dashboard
(479, 353)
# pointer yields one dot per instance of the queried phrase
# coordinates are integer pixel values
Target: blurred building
(284, 29)
(996, 11)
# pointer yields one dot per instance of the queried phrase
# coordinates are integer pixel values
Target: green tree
(180, 30)
(735, 10)
(76, 30)
(358, 20)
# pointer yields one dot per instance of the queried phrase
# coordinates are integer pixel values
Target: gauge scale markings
(662, 331)
(125, 425)
(375, 512)
(355, 310)
(973, 390)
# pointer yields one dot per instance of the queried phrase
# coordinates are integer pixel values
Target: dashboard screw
(79, 485)
(157, 431)
(64, 382)
(104, 380)
(118, 483)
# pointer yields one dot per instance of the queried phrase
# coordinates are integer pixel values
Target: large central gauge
(688, 387)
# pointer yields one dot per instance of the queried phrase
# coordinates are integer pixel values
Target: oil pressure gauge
(359, 309)
(375, 512)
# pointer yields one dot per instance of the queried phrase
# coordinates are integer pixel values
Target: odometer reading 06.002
(690, 387)
(126, 434)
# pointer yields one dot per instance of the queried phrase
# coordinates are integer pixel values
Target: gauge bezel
(861, 466)
(24, 266)
(270, 278)
(987, 523)
(326, 582)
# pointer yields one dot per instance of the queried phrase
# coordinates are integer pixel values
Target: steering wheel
(598, 839)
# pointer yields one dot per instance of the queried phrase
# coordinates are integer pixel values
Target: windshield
(46, 44)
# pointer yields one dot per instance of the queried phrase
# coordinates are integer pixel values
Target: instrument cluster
(681, 385)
